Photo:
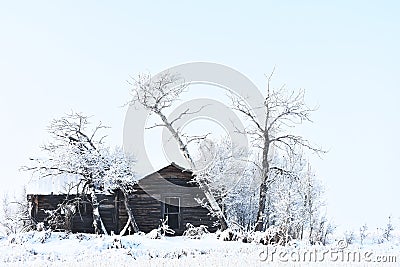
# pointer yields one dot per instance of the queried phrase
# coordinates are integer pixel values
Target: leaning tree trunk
(215, 208)
(131, 217)
(97, 221)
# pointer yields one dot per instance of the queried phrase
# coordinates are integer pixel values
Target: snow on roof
(56, 184)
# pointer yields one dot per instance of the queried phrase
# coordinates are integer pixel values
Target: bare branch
(239, 105)
(154, 126)
(187, 112)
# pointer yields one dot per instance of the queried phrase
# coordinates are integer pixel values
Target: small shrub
(195, 232)
(387, 231)
(350, 237)
(154, 234)
(161, 231)
(363, 233)
(45, 237)
(40, 227)
(229, 235)
(116, 242)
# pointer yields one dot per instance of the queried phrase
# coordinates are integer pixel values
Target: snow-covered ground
(61, 249)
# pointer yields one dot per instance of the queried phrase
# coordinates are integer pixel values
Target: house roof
(172, 164)
(151, 170)
(59, 184)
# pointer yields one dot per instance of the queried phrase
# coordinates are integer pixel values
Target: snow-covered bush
(40, 227)
(363, 233)
(276, 235)
(82, 237)
(46, 235)
(154, 234)
(349, 236)
(116, 242)
(273, 235)
(195, 232)
(229, 235)
(322, 233)
(161, 231)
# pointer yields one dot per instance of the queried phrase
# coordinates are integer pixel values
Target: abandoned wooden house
(168, 193)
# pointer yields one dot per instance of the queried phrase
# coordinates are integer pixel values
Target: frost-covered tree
(157, 95)
(283, 110)
(312, 191)
(242, 199)
(294, 199)
(119, 175)
(14, 214)
(324, 228)
(221, 164)
(286, 207)
(76, 149)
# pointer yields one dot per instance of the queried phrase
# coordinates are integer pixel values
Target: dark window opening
(171, 212)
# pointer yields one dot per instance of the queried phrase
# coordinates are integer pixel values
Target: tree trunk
(264, 185)
(125, 227)
(215, 208)
(96, 215)
(268, 223)
(131, 219)
(261, 207)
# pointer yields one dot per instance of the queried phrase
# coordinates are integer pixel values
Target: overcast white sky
(58, 57)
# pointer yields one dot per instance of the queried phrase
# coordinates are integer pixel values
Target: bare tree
(14, 214)
(324, 229)
(283, 110)
(387, 231)
(76, 150)
(157, 95)
(349, 237)
(363, 233)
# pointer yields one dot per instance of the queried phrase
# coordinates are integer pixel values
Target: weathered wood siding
(146, 204)
(81, 222)
(112, 211)
(171, 181)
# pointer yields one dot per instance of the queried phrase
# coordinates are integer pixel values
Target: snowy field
(61, 249)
